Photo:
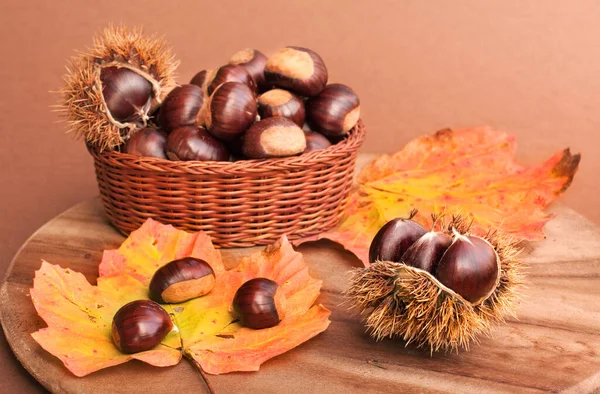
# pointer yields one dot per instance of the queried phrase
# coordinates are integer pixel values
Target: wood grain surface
(554, 345)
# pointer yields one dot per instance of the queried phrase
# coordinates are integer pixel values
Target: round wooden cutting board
(554, 345)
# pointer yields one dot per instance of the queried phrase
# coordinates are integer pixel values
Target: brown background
(528, 67)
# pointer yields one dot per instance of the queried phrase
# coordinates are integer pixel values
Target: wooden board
(553, 346)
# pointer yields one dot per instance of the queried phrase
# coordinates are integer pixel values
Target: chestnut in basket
(259, 303)
(315, 141)
(253, 61)
(297, 69)
(230, 110)
(200, 79)
(147, 142)
(195, 143)
(273, 137)
(181, 107)
(140, 326)
(229, 73)
(335, 111)
(279, 102)
(127, 94)
(181, 280)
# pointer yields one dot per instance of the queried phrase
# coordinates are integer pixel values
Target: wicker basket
(240, 204)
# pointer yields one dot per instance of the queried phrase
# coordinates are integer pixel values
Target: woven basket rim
(350, 144)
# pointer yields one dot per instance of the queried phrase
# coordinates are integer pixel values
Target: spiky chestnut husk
(83, 103)
(411, 304)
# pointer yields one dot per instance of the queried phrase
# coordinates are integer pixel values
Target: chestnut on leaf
(259, 303)
(147, 142)
(230, 110)
(140, 326)
(300, 70)
(335, 111)
(181, 280)
(279, 102)
(195, 143)
(273, 137)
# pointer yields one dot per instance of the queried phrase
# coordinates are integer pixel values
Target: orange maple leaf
(471, 172)
(79, 315)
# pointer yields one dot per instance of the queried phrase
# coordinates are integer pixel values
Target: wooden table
(553, 346)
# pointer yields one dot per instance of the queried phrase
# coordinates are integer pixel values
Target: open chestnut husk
(254, 62)
(230, 110)
(229, 73)
(413, 304)
(259, 303)
(139, 326)
(148, 142)
(181, 280)
(297, 69)
(181, 107)
(279, 102)
(273, 137)
(195, 143)
(394, 238)
(111, 89)
(334, 112)
(315, 141)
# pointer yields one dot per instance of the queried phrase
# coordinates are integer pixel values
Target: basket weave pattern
(239, 204)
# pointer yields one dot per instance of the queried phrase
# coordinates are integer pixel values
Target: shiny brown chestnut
(195, 143)
(253, 61)
(259, 303)
(279, 102)
(200, 79)
(181, 280)
(140, 326)
(230, 73)
(273, 137)
(127, 94)
(335, 111)
(427, 251)
(394, 238)
(300, 70)
(230, 110)
(315, 141)
(147, 142)
(181, 107)
(470, 267)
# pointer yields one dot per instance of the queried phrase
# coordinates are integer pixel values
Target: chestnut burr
(181, 280)
(298, 69)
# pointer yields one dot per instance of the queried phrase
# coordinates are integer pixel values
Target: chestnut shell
(139, 326)
(181, 107)
(315, 141)
(254, 304)
(195, 143)
(176, 272)
(231, 73)
(126, 93)
(254, 62)
(335, 111)
(393, 240)
(231, 109)
(279, 102)
(148, 142)
(297, 69)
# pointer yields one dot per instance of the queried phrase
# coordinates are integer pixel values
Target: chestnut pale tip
(273, 137)
(298, 69)
(181, 280)
(279, 102)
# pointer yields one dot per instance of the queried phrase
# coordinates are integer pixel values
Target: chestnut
(335, 111)
(127, 94)
(139, 326)
(273, 137)
(470, 267)
(200, 79)
(181, 280)
(394, 238)
(279, 102)
(297, 69)
(230, 110)
(195, 143)
(259, 303)
(147, 142)
(315, 141)
(427, 251)
(254, 62)
(230, 73)
(181, 107)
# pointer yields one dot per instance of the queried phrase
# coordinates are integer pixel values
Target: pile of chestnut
(254, 107)
(141, 325)
(466, 264)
